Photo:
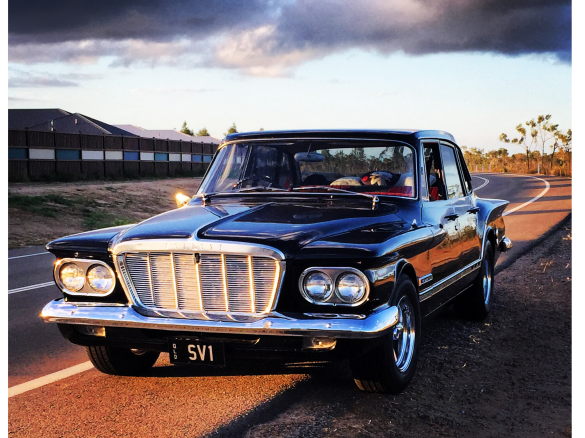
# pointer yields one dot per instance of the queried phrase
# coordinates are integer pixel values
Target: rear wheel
(476, 302)
(389, 367)
(121, 361)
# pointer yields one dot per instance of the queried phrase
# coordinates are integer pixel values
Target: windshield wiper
(374, 198)
(206, 196)
(261, 189)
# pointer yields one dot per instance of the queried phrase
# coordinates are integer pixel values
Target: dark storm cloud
(268, 37)
(430, 26)
(40, 21)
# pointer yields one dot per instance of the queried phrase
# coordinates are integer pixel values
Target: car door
(439, 212)
(463, 206)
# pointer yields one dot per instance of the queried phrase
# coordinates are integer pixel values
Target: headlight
(334, 286)
(350, 288)
(84, 277)
(318, 286)
(72, 277)
(100, 279)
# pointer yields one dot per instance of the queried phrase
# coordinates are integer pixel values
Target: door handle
(473, 210)
(451, 217)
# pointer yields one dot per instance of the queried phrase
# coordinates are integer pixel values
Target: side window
(435, 182)
(452, 178)
(466, 175)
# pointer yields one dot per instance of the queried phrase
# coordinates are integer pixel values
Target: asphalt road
(186, 401)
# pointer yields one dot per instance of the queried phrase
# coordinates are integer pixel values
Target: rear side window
(466, 175)
(452, 178)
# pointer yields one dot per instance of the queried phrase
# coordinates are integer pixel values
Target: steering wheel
(253, 178)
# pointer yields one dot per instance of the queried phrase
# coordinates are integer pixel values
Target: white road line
(29, 255)
(31, 287)
(487, 181)
(540, 195)
(50, 378)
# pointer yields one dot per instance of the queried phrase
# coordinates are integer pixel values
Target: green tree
(541, 131)
(203, 133)
(546, 132)
(185, 129)
(232, 129)
(522, 142)
(561, 140)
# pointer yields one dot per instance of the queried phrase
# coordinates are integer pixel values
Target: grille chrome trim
(241, 281)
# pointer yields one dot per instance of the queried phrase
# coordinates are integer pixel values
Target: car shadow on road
(245, 368)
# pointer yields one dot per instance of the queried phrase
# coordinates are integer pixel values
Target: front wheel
(121, 361)
(389, 367)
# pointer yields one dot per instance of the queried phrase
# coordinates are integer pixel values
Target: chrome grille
(214, 283)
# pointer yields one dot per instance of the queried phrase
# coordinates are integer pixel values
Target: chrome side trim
(377, 324)
(425, 279)
(85, 264)
(432, 290)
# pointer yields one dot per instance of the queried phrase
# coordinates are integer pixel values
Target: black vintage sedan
(300, 245)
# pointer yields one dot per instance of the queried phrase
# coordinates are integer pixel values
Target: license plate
(185, 350)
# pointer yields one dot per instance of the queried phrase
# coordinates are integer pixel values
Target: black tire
(389, 367)
(476, 302)
(121, 361)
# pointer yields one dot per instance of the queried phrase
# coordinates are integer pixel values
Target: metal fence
(40, 155)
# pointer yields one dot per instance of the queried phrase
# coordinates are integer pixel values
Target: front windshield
(380, 168)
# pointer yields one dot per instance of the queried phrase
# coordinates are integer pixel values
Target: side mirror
(309, 157)
(181, 200)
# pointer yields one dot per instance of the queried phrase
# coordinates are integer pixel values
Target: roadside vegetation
(41, 212)
(535, 137)
(52, 205)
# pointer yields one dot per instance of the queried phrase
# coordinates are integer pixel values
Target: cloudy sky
(475, 68)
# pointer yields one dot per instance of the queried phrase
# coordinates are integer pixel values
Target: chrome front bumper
(374, 325)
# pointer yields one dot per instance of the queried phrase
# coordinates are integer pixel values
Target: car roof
(395, 134)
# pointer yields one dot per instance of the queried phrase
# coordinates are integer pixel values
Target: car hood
(286, 227)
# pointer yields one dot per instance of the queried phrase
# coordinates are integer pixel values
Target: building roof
(114, 130)
(27, 118)
(58, 120)
(165, 134)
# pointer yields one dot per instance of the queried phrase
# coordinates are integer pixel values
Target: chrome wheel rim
(403, 336)
(487, 282)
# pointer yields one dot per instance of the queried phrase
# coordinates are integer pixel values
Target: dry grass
(41, 212)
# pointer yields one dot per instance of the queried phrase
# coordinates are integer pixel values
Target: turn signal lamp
(181, 199)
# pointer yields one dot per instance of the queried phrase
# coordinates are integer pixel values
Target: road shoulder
(506, 376)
